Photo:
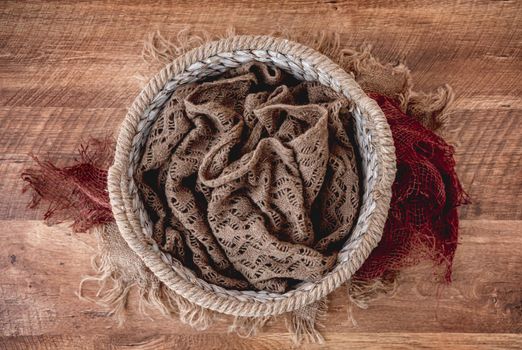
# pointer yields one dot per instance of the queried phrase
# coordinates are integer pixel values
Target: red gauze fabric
(422, 222)
(79, 192)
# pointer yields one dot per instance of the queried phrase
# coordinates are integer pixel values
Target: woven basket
(374, 143)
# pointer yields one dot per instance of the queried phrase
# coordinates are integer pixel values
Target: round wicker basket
(374, 142)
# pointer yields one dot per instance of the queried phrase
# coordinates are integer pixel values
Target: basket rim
(378, 171)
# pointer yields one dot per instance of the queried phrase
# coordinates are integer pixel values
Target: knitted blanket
(251, 179)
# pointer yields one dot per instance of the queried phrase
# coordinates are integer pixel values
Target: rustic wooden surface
(68, 71)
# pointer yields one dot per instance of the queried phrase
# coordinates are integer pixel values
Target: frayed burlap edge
(118, 269)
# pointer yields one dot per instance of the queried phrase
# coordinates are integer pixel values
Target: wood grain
(219, 341)
(68, 71)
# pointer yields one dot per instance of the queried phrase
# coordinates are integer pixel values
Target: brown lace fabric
(251, 179)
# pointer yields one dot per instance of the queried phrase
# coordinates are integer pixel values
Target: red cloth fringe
(422, 222)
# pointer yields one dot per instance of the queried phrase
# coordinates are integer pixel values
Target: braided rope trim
(374, 142)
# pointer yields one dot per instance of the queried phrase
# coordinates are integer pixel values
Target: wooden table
(68, 71)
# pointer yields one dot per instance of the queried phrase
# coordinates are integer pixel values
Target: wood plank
(86, 54)
(218, 341)
(42, 266)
